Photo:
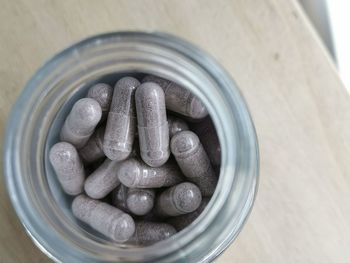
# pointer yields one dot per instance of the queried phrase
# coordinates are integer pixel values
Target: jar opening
(39, 112)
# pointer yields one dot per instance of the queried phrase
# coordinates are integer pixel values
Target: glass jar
(39, 112)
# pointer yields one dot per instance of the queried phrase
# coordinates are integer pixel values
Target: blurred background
(331, 20)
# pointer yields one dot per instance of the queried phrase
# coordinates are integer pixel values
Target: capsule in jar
(104, 218)
(121, 125)
(102, 93)
(136, 174)
(193, 161)
(81, 122)
(68, 167)
(103, 180)
(178, 200)
(152, 124)
(140, 201)
(179, 99)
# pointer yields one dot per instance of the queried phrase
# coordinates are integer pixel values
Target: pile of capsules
(150, 176)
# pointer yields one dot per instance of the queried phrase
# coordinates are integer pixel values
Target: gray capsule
(176, 125)
(119, 195)
(136, 174)
(182, 221)
(104, 218)
(140, 201)
(193, 161)
(152, 124)
(207, 134)
(121, 121)
(103, 180)
(68, 167)
(102, 93)
(179, 99)
(178, 200)
(93, 149)
(148, 233)
(81, 122)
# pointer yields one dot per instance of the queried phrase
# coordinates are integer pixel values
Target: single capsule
(136, 174)
(104, 218)
(179, 199)
(179, 99)
(148, 233)
(103, 180)
(176, 125)
(152, 124)
(193, 161)
(81, 122)
(207, 134)
(68, 167)
(119, 195)
(121, 121)
(93, 149)
(182, 221)
(140, 201)
(102, 93)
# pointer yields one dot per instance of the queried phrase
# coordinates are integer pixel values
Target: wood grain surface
(300, 108)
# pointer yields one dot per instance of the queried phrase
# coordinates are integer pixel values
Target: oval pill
(102, 93)
(136, 174)
(93, 149)
(103, 180)
(81, 122)
(104, 218)
(179, 199)
(193, 161)
(148, 233)
(140, 201)
(179, 99)
(176, 125)
(121, 121)
(68, 167)
(152, 124)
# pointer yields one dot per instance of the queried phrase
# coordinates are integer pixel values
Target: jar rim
(172, 43)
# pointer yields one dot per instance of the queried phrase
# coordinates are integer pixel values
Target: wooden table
(300, 108)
